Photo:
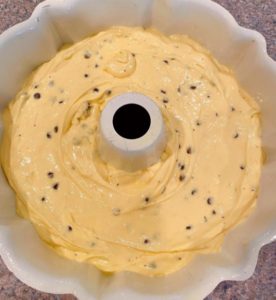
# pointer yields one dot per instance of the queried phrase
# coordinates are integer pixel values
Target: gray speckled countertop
(255, 14)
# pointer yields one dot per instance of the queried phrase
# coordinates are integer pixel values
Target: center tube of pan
(132, 133)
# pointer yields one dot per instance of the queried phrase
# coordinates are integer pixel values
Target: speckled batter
(155, 220)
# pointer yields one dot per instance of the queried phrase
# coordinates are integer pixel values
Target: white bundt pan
(35, 41)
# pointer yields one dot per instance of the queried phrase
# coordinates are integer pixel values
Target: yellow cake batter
(152, 221)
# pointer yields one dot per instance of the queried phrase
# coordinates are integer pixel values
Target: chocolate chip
(60, 102)
(179, 89)
(69, 228)
(165, 101)
(50, 174)
(86, 75)
(216, 114)
(43, 199)
(181, 166)
(166, 61)
(242, 167)
(181, 177)
(152, 265)
(37, 95)
(235, 136)
(233, 108)
(96, 66)
(87, 55)
(194, 191)
(193, 87)
(56, 186)
(189, 150)
(56, 129)
(209, 201)
(49, 136)
(189, 227)
(179, 146)
(198, 123)
(214, 212)
(108, 92)
(146, 241)
(116, 211)
(147, 199)
(96, 90)
(163, 92)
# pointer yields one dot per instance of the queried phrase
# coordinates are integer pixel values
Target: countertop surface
(255, 14)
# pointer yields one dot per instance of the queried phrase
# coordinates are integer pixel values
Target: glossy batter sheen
(155, 220)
